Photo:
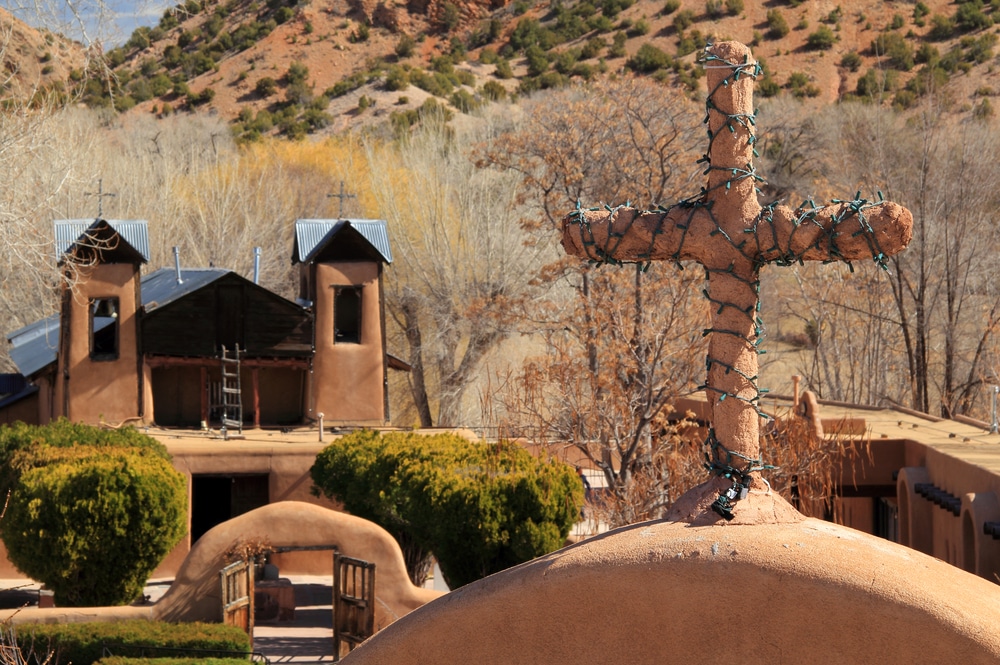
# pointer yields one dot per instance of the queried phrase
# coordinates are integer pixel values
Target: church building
(206, 347)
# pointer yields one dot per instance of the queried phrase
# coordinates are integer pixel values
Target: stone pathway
(307, 639)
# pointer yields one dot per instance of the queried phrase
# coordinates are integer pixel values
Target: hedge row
(119, 660)
(83, 643)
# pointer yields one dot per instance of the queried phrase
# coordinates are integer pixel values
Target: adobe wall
(348, 380)
(669, 592)
(286, 465)
(195, 594)
(100, 390)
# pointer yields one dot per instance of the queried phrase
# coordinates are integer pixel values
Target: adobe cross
(727, 231)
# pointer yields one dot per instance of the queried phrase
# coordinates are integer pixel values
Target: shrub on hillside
(777, 26)
(479, 507)
(648, 59)
(821, 40)
(92, 512)
(896, 49)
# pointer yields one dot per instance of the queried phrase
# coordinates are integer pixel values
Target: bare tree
(619, 344)
(462, 263)
(921, 334)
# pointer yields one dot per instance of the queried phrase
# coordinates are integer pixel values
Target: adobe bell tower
(340, 278)
(99, 375)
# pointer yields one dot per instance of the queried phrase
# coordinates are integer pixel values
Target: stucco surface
(670, 592)
(195, 594)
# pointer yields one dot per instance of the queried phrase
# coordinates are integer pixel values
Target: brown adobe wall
(348, 380)
(668, 592)
(195, 594)
(107, 390)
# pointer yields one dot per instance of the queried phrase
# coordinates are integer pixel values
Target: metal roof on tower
(313, 235)
(70, 232)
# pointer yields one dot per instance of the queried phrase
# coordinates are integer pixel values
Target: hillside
(36, 59)
(319, 66)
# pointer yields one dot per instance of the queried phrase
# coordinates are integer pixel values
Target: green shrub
(851, 61)
(640, 28)
(266, 86)
(821, 40)
(927, 53)
(297, 73)
(670, 6)
(396, 79)
(538, 61)
(896, 49)
(464, 101)
(450, 17)
(479, 507)
(82, 643)
(777, 26)
(351, 83)
(683, 20)
(592, 48)
(617, 48)
(122, 660)
(768, 87)
(970, 16)
(503, 69)
(648, 59)
(92, 512)
(942, 28)
(405, 46)
(494, 91)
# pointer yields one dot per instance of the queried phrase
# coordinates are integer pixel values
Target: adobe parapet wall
(669, 592)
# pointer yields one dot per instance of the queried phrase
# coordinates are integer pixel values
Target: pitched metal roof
(312, 235)
(133, 231)
(35, 346)
(161, 287)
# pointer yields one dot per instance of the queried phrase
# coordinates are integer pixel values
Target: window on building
(886, 518)
(104, 328)
(347, 315)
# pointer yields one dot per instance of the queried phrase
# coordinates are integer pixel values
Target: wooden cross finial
(100, 194)
(342, 195)
(726, 230)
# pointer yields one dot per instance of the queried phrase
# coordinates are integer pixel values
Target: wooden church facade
(127, 347)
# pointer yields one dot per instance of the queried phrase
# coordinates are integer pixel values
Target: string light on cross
(101, 195)
(342, 195)
(728, 232)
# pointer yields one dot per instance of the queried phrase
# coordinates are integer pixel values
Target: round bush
(91, 521)
(479, 507)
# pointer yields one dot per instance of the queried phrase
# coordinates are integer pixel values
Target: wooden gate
(237, 596)
(353, 602)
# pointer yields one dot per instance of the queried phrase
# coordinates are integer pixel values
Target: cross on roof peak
(728, 232)
(342, 195)
(101, 195)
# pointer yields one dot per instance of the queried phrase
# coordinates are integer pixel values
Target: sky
(110, 21)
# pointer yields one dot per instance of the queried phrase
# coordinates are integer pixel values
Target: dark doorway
(215, 499)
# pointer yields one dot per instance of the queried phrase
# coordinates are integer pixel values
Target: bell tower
(99, 375)
(341, 263)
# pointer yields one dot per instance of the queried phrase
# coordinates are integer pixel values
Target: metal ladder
(232, 396)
